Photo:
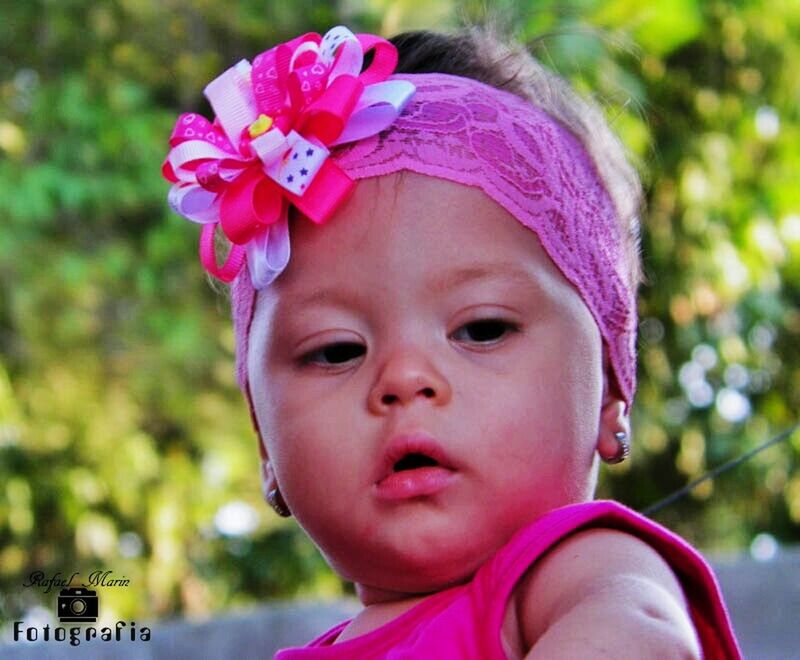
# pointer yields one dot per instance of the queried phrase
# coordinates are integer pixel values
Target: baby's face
(375, 330)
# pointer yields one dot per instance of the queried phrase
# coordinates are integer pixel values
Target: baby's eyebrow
(459, 276)
(442, 283)
(328, 295)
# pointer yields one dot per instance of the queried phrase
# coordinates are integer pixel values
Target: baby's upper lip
(414, 442)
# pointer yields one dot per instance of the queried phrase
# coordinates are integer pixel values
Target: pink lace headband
(302, 124)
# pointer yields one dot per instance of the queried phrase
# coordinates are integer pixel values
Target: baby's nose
(405, 377)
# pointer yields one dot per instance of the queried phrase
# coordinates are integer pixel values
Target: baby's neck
(375, 596)
(372, 596)
(377, 614)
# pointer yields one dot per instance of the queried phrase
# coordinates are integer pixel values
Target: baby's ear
(613, 417)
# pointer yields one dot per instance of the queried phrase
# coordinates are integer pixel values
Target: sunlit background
(124, 442)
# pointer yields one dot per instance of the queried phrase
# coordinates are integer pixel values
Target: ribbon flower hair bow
(269, 144)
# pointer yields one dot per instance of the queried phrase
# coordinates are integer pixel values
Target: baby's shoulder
(588, 557)
(592, 565)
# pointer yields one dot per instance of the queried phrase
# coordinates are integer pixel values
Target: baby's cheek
(289, 433)
(308, 448)
(536, 440)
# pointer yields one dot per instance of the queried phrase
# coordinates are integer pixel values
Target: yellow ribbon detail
(260, 126)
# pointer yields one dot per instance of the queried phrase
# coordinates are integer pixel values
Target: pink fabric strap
(496, 580)
(465, 131)
(466, 621)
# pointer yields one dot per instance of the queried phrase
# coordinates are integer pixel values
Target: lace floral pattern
(468, 132)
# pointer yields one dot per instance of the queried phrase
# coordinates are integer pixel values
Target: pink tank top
(465, 621)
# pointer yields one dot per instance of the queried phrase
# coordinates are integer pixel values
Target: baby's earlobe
(623, 449)
(271, 491)
(613, 440)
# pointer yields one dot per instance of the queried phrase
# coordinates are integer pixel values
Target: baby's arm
(602, 593)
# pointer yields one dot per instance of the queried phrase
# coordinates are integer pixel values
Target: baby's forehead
(402, 237)
(407, 219)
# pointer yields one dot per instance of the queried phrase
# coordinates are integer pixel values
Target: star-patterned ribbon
(269, 144)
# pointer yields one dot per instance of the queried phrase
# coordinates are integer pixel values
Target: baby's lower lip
(414, 483)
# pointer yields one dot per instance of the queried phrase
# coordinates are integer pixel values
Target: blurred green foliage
(124, 442)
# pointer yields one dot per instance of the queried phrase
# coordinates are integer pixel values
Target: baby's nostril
(412, 461)
(428, 392)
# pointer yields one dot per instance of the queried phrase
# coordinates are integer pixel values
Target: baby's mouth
(415, 465)
(413, 461)
(411, 451)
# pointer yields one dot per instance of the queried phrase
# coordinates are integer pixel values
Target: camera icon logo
(77, 605)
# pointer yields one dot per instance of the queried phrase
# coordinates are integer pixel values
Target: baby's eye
(484, 331)
(333, 354)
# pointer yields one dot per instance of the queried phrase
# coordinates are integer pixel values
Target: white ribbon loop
(192, 150)
(194, 203)
(350, 59)
(268, 253)
(377, 109)
(232, 99)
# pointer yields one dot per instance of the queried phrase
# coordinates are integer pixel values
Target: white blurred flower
(705, 356)
(130, 545)
(764, 547)
(762, 336)
(732, 405)
(690, 373)
(736, 375)
(236, 518)
(215, 470)
(768, 124)
(700, 394)
(789, 228)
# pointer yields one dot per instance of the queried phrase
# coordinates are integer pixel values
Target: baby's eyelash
(484, 325)
(334, 350)
(339, 353)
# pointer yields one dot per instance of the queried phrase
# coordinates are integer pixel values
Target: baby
(434, 263)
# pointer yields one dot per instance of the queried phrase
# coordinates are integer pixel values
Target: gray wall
(763, 599)
(764, 602)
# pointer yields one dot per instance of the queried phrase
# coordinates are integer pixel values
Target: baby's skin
(452, 322)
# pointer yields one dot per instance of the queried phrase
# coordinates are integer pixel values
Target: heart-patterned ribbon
(268, 146)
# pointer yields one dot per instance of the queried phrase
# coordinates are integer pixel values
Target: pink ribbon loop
(233, 264)
(268, 146)
(319, 203)
(326, 117)
(248, 205)
(383, 63)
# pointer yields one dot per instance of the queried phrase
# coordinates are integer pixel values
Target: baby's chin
(408, 571)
